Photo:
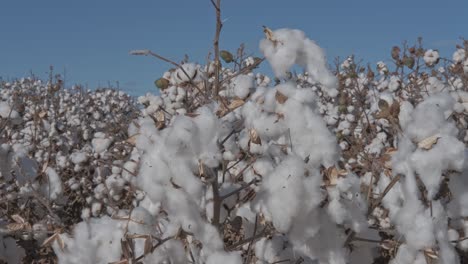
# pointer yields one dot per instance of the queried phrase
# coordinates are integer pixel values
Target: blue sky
(90, 39)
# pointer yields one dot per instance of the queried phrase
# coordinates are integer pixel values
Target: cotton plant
(48, 148)
(314, 167)
(182, 159)
(265, 162)
(427, 150)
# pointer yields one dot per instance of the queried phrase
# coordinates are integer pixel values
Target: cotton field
(223, 164)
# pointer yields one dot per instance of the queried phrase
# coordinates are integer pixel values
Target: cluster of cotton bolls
(65, 155)
(240, 178)
(354, 166)
(405, 134)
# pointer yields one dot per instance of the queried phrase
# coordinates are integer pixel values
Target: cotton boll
(431, 57)
(382, 67)
(458, 108)
(272, 250)
(129, 169)
(78, 157)
(25, 169)
(458, 55)
(405, 254)
(100, 142)
(40, 232)
(85, 213)
(350, 118)
(243, 85)
(453, 235)
(96, 209)
(7, 112)
(281, 194)
(167, 253)
(189, 73)
(308, 134)
(291, 47)
(458, 207)
(447, 154)
(347, 205)
(53, 188)
(395, 83)
(375, 147)
(95, 241)
(406, 108)
(344, 145)
(429, 118)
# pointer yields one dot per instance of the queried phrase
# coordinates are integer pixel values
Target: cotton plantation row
(64, 157)
(366, 164)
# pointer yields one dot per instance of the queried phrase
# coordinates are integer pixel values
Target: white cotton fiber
(293, 47)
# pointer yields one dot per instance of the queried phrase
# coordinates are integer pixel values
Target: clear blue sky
(91, 38)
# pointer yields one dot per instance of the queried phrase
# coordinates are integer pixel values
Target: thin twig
(243, 70)
(248, 240)
(387, 189)
(250, 243)
(219, 25)
(239, 189)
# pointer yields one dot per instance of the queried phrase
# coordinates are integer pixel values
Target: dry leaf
(332, 174)
(431, 253)
(395, 109)
(49, 240)
(224, 110)
(429, 142)
(192, 115)
(126, 249)
(201, 170)
(132, 139)
(15, 227)
(279, 117)
(254, 138)
(387, 157)
(280, 98)
(388, 244)
(45, 166)
(235, 104)
(52, 238)
(43, 114)
(383, 105)
(333, 177)
(260, 100)
(148, 245)
(160, 119)
(268, 34)
(18, 219)
(60, 242)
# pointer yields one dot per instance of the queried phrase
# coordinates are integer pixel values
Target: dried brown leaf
(132, 139)
(18, 219)
(235, 104)
(148, 245)
(428, 142)
(160, 119)
(60, 242)
(42, 114)
(280, 98)
(254, 137)
(15, 227)
(431, 253)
